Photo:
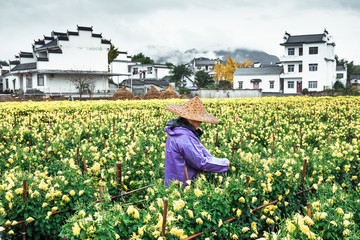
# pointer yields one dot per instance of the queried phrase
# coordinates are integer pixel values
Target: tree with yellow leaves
(225, 72)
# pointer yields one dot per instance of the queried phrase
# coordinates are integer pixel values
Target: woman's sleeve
(199, 158)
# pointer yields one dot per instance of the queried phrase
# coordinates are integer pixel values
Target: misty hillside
(177, 57)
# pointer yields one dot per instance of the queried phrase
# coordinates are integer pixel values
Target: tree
(203, 79)
(179, 74)
(83, 80)
(112, 54)
(225, 72)
(338, 86)
(3, 62)
(142, 58)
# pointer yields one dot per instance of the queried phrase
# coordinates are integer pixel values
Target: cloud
(182, 24)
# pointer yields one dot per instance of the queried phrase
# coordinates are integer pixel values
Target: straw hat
(192, 109)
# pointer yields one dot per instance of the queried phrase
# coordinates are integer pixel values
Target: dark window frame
(313, 50)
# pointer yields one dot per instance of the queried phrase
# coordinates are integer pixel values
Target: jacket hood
(183, 123)
(176, 131)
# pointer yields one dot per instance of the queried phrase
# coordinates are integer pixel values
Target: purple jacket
(183, 148)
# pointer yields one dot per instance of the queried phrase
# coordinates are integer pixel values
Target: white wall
(83, 52)
(291, 90)
(157, 72)
(326, 66)
(120, 65)
(230, 93)
(264, 84)
(62, 84)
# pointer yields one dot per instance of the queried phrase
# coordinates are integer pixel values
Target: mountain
(163, 55)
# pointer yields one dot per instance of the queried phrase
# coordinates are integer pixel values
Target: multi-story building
(308, 62)
(57, 61)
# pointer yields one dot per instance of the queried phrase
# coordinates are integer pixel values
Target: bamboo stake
(241, 140)
(132, 191)
(104, 143)
(85, 168)
(294, 148)
(164, 217)
(308, 210)
(247, 181)
(303, 173)
(216, 139)
(306, 190)
(186, 173)
(265, 205)
(118, 178)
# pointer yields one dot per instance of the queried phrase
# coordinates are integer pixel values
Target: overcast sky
(139, 25)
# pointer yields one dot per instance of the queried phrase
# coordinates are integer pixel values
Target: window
(149, 70)
(40, 80)
(313, 67)
(290, 68)
(300, 67)
(291, 51)
(135, 71)
(240, 84)
(271, 84)
(29, 81)
(312, 84)
(290, 84)
(7, 84)
(339, 75)
(300, 51)
(313, 50)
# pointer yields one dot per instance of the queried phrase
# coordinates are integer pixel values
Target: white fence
(228, 93)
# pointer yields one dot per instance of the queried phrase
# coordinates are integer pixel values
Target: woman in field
(183, 146)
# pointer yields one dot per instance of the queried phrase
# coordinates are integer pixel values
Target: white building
(341, 74)
(144, 75)
(121, 65)
(148, 71)
(58, 59)
(308, 62)
(266, 78)
(201, 64)
(4, 82)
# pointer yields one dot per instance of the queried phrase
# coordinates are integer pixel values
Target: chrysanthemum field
(68, 169)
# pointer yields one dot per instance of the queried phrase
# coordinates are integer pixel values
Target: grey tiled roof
(312, 38)
(354, 76)
(258, 71)
(26, 54)
(24, 66)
